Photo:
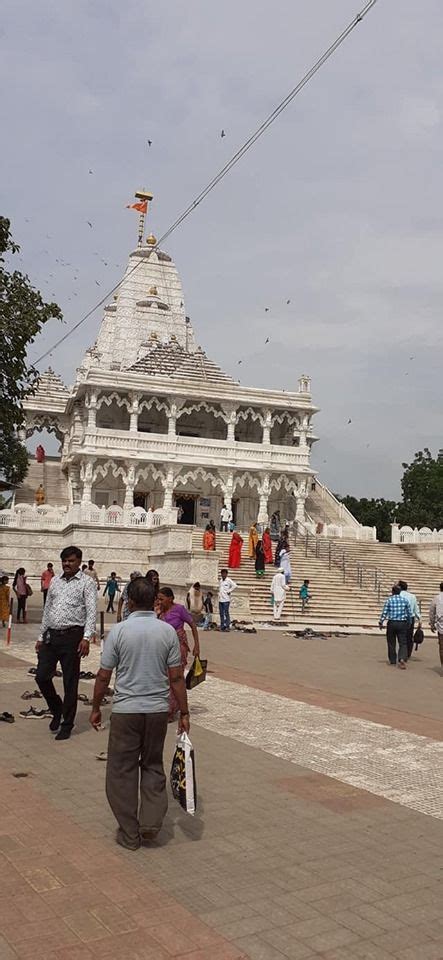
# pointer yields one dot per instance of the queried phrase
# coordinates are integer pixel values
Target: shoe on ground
(402, 664)
(55, 722)
(63, 734)
(125, 842)
(148, 835)
(33, 714)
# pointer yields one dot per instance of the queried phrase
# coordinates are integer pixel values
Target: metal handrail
(363, 576)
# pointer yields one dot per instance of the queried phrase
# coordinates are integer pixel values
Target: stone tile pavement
(281, 860)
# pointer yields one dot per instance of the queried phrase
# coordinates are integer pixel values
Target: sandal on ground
(27, 695)
(32, 670)
(7, 717)
(83, 698)
(102, 756)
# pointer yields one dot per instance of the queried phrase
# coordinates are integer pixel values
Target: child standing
(5, 595)
(209, 610)
(304, 595)
(111, 589)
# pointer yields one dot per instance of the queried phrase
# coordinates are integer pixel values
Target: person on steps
(259, 560)
(279, 589)
(234, 559)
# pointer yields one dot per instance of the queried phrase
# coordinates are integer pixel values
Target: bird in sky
(266, 309)
(267, 340)
(105, 262)
(349, 421)
(26, 221)
(288, 301)
(89, 224)
(149, 143)
(223, 133)
(91, 171)
(412, 358)
(239, 361)
(97, 283)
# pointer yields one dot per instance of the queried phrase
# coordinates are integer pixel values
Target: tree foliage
(378, 513)
(422, 487)
(422, 503)
(23, 313)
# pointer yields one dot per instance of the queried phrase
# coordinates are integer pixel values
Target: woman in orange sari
(267, 546)
(235, 546)
(208, 539)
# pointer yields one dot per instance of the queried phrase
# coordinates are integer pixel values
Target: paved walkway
(298, 849)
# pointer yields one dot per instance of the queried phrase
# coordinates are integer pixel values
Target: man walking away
(90, 572)
(225, 589)
(436, 619)
(111, 589)
(68, 625)
(304, 595)
(145, 654)
(415, 610)
(45, 580)
(398, 614)
(279, 589)
(225, 518)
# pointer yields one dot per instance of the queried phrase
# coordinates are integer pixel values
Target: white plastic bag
(183, 784)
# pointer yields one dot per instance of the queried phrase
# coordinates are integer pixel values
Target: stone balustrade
(161, 447)
(335, 531)
(415, 535)
(30, 517)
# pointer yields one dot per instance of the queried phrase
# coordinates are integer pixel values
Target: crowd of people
(149, 648)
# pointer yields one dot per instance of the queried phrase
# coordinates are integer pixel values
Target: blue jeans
(225, 621)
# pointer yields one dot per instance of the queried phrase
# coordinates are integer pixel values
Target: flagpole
(145, 197)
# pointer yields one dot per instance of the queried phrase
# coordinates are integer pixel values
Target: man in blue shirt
(397, 611)
(415, 610)
(145, 654)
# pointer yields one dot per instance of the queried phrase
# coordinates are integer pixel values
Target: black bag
(196, 674)
(418, 637)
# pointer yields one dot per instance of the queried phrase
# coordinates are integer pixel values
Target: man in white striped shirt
(68, 625)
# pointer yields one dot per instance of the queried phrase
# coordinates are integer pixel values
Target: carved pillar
(74, 482)
(21, 434)
(168, 485)
(133, 413)
(300, 495)
(92, 410)
(172, 420)
(264, 497)
(267, 424)
(130, 481)
(87, 474)
(228, 490)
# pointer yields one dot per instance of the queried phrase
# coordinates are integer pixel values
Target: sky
(337, 208)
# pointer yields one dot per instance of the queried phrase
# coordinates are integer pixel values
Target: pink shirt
(46, 578)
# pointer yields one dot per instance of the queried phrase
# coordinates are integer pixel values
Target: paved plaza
(318, 833)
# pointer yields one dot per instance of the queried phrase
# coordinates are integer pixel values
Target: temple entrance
(185, 504)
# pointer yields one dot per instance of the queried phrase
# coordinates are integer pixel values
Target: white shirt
(225, 514)
(225, 589)
(71, 603)
(279, 587)
(436, 613)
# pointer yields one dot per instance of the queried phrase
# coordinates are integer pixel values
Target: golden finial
(151, 240)
(153, 291)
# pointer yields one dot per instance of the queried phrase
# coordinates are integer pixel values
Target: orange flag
(141, 207)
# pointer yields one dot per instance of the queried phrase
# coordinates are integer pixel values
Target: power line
(230, 163)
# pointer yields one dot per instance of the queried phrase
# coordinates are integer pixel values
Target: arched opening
(152, 420)
(107, 488)
(248, 427)
(112, 416)
(246, 500)
(44, 440)
(198, 498)
(201, 422)
(282, 433)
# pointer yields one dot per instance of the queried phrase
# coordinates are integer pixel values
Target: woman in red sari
(267, 546)
(235, 546)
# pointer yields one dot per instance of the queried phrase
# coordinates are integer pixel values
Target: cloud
(336, 207)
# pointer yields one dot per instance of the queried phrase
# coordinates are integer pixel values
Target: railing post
(379, 591)
(306, 544)
(344, 568)
(330, 553)
(316, 547)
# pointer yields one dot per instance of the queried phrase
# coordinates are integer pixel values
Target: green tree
(422, 487)
(377, 513)
(23, 313)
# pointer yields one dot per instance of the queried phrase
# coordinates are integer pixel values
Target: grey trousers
(135, 764)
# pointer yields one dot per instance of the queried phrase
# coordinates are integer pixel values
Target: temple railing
(25, 516)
